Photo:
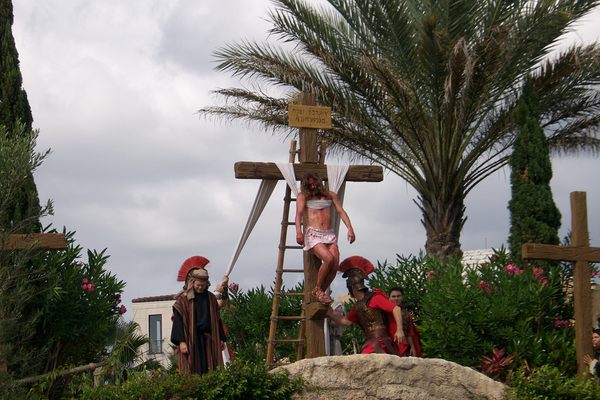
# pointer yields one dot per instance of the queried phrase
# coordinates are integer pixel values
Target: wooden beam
(50, 241)
(269, 170)
(54, 374)
(582, 288)
(560, 253)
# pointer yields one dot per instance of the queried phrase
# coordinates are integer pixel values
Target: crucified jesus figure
(318, 236)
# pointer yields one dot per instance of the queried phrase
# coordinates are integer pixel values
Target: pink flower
(430, 275)
(537, 272)
(122, 309)
(512, 269)
(483, 285)
(87, 285)
(561, 323)
(234, 287)
(544, 281)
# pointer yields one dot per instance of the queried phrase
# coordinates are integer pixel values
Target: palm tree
(125, 352)
(425, 88)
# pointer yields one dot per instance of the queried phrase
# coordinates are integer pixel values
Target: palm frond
(425, 88)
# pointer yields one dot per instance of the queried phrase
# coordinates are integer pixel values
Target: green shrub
(74, 313)
(242, 380)
(248, 381)
(464, 314)
(548, 383)
(467, 313)
(68, 313)
(10, 389)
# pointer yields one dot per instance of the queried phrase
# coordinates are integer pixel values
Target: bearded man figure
(197, 331)
(318, 236)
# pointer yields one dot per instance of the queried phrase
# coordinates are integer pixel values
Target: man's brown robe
(191, 362)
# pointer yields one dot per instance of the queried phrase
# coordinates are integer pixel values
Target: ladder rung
(292, 270)
(291, 247)
(288, 223)
(291, 294)
(287, 341)
(289, 317)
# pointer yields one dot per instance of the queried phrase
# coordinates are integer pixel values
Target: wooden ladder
(277, 291)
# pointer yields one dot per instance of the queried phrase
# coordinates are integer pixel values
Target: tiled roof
(164, 297)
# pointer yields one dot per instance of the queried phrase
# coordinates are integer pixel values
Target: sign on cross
(582, 254)
(309, 162)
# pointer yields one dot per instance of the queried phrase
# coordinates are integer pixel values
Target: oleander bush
(495, 317)
(549, 383)
(242, 380)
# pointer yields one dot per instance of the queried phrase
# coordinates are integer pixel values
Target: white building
(474, 258)
(153, 315)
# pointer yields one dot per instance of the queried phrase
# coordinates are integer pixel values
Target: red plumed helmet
(357, 262)
(190, 264)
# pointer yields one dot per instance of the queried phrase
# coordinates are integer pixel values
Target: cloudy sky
(114, 87)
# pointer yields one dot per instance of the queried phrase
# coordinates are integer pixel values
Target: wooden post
(314, 311)
(311, 160)
(46, 241)
(580, 253)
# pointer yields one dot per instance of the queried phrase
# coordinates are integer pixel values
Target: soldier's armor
(369, 319)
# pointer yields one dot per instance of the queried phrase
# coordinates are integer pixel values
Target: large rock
(383, 377)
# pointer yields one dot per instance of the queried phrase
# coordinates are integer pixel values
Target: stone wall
(386, 377)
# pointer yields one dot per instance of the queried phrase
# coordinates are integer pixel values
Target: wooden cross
(582, 254)
(47, 241)
(309, 162)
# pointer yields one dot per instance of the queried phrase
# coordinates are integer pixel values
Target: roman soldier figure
(197, 331)
(373, 311)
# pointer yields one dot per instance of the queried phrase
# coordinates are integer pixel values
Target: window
(155, 333)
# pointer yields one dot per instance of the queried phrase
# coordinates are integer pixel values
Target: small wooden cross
(309, 162)
(582, 254)
(47, 241)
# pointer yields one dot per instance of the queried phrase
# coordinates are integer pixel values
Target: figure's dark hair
(596, 331)
(311, 175)
(397, 289)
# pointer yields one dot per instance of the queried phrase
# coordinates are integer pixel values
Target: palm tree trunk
(443, 219)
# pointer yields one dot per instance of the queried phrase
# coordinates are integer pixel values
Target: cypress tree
(22, 215)
(534, 217)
